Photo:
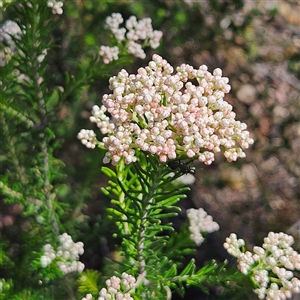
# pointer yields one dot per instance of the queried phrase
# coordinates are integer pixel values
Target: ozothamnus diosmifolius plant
(31, 180)
(152, 126)
(155, 121)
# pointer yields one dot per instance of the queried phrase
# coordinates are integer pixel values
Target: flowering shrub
(153, 125)
(158, 118)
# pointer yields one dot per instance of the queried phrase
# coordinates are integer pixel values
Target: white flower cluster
(169, 116)
(233, 245)
(88, 138)
(269, 266)
(56, 6)
(200, 222)
(7, 30)
(109, 53)
(134, 36)
(66, 256)
(116, 288)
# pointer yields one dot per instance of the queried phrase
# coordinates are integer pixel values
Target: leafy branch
(139, 211)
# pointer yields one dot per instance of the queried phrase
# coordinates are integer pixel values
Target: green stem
(147, 199)
(36, 77)
(142, 198)
(47, 187)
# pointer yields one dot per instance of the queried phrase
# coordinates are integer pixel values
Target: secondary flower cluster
(270, 266)
(56, 6)
(168, 115)
(200, 222)
(8, 30)
(88, 138)
(133, 37)
(66, 256)
(116, 288)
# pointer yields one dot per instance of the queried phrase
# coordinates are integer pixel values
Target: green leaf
(53, 100)
(108, 172)
(189, 269)
(207, 269)
(171, 272)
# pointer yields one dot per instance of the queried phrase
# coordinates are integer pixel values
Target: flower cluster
(270, 266)
(88, 138)
(56, 6)
(169, 116)
(109, 53)
(116, 288)
(200, 222)
(66, 256)
(133, 37)
(8, 30)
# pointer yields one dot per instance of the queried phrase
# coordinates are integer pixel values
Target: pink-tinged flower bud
(156, 105)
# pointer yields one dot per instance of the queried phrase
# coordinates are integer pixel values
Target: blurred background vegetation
(257, 45)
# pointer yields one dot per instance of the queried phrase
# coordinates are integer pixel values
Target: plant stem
(37, 79)
(148, 198)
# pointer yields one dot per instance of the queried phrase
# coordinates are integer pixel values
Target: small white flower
(109, 53)
(200, 222)
(118, 288)
(87, 297)
(56, 6)
(88, 138)
(67, 255)
(134, 36)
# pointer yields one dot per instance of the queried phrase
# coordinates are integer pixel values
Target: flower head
(200, 222)
(109, 53)
(269, 266)
(56, 6)
(66, 255)
(136, 35)
(168, 115)
(118, 288)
